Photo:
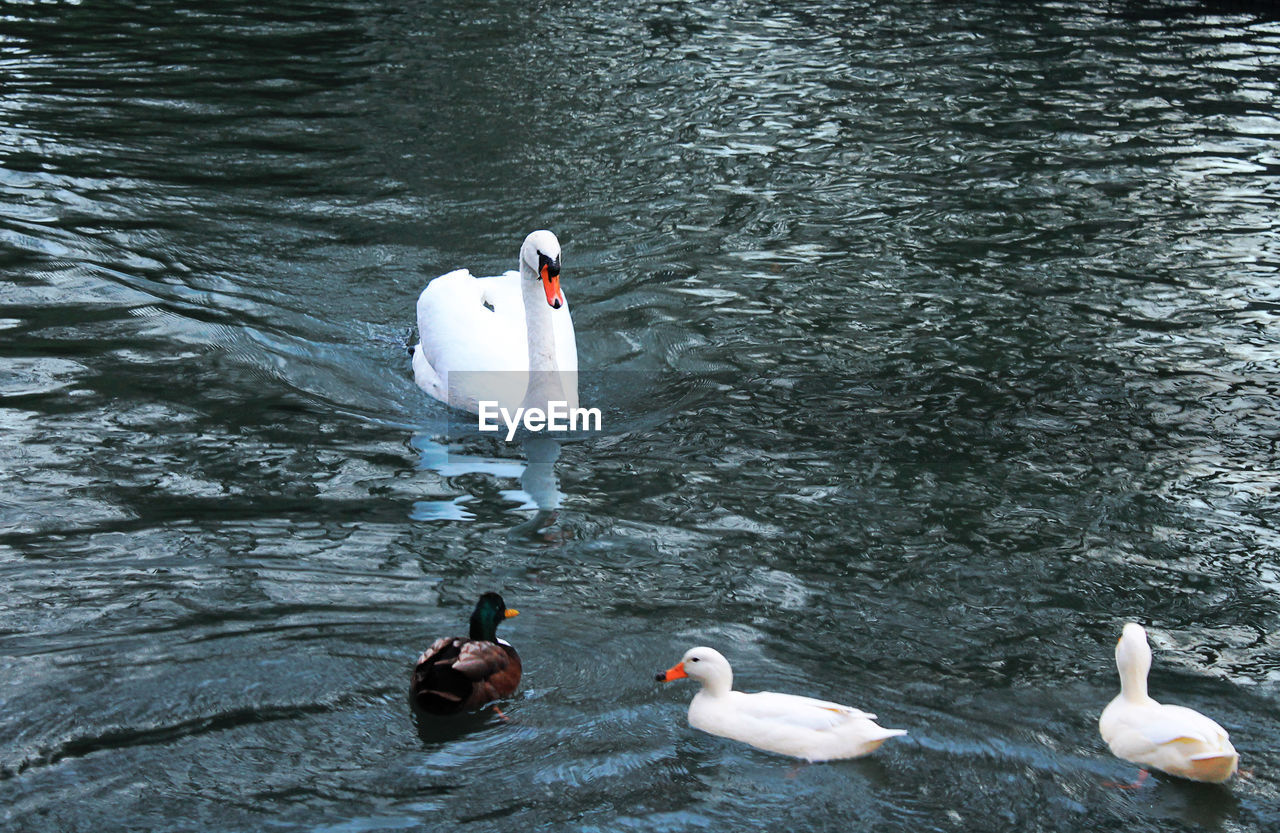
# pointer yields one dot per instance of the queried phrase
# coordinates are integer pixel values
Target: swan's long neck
(537, 321)
(544, 377)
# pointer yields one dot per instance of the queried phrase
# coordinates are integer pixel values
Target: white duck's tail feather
(1214, 766)
(885, 734)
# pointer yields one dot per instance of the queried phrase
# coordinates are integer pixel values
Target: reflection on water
(539, 488)
(935, 340)
(443, 734)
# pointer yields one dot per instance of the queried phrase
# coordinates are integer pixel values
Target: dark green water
(942, 339)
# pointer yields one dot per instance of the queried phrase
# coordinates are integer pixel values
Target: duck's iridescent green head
(490, 610)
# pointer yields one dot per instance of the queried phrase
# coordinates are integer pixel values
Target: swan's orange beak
(551, 283)
(675, 672)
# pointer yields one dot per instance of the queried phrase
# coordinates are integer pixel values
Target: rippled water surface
(939, 339)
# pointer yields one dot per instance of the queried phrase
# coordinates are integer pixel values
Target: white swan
(802, 727)
(507, 338)
(1173, 739)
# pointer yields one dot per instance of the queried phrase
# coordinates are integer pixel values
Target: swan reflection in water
(539, 487)
(550, 394)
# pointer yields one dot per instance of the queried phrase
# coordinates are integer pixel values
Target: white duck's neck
(544, 378)
(718, 685)
(1133, 681)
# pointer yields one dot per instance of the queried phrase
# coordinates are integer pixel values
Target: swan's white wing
(502, 292)
(794, 710)
(459, 332)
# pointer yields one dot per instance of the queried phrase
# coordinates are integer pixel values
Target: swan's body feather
(479, 328)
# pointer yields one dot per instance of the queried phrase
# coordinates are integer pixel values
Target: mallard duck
(510, 337)
(802, 727)
(457, 674)
(1172, 739)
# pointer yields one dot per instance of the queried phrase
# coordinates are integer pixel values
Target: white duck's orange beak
(551, 284)
(675, 672)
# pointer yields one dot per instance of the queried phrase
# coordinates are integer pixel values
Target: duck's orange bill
(675, 672)
(551, 283)
(509, 612)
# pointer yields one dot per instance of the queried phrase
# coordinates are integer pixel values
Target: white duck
(510, 337)
(1173, 739)
(802, 727)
